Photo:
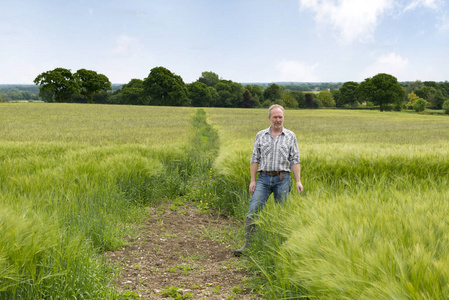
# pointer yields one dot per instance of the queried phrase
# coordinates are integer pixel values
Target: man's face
(276, 118)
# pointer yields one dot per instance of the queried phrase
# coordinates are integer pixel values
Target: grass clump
(173, 292)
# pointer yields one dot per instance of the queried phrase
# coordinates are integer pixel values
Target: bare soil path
(182, 253)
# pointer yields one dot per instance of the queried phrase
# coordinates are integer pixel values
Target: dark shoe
(249, 229)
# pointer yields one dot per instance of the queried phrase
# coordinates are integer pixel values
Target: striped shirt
(275, 154)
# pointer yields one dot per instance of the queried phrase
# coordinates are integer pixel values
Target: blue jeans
(265, 185)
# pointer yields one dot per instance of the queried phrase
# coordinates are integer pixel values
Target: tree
(199, 94)
(414, 85)
(248, 101)
(446, 107)
(420, 105)
(209, 78)
(300, 98)
(349, 94)
(231, 93)
(59, 85)
(336, 94)
(4, 97)
(289, 99)
(311, 101)
(165, 88)
(412, 97)
(326, 98)
(432, 95)
(273, 92)
(382, 89)
(90, 83)
(132, 93)
(215, 97)
(256, 92)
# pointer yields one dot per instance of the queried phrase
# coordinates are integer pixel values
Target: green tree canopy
(230, 93)
(132, 93)
(248, 101)
(165, 88)
(90, 83)
(199, 94)
(336, 94)
(57, 85)
(326, 98)
(349, 94)
(412, 97)
(273, 92)
(289, 99)
(256, 92)
(209, 78)
(382, 89)
(432, 95)
(300, 98)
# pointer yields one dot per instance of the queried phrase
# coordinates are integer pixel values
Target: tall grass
(371, 223)
(73, 181)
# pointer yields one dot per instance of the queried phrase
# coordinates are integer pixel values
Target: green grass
(371, 223)
(73, 181)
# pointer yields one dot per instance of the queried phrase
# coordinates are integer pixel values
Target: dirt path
(182, 253)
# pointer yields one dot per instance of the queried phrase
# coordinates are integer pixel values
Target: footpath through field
(183, 251)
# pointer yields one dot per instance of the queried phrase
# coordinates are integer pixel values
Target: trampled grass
(371, 222)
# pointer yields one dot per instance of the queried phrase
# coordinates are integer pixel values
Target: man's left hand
(299, 187)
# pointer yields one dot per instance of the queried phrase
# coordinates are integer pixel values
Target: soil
(182, 252)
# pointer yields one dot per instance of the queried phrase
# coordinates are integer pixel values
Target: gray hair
(273, 107)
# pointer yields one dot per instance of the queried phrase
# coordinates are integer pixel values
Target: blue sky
(242, 41)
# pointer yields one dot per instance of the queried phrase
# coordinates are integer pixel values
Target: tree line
(10, 92)
(165, 88)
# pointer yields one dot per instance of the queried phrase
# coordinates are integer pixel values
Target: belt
(274, 173)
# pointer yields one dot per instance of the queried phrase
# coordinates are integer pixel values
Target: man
(275, 154)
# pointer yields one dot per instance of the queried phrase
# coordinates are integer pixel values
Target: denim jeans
(265, 185)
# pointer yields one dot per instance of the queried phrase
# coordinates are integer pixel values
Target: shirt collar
(268, 130)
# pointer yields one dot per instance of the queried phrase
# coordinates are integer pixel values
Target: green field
(371, 223)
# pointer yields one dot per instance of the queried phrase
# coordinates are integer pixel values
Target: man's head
(276, 116)
(273, 107)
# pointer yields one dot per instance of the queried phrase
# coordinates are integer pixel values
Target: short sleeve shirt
(275, 154)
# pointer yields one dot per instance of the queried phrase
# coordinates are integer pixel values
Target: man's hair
(273, 107)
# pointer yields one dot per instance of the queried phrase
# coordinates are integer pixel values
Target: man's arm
(252, 185)
(296, 168)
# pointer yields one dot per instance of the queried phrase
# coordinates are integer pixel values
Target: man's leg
(258, 201)
(281, 189)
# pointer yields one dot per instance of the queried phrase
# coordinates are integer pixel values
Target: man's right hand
(252, 187)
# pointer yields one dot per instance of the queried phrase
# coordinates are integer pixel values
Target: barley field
(73, 181)
(371, 223)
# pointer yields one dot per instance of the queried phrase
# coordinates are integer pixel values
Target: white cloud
(125, 44)
(432, 4)
(352, 19)
(296, 71)
(392, 64)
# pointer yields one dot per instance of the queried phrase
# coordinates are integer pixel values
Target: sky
(244, 41)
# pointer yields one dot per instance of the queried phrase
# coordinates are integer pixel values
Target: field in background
(371, 223)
